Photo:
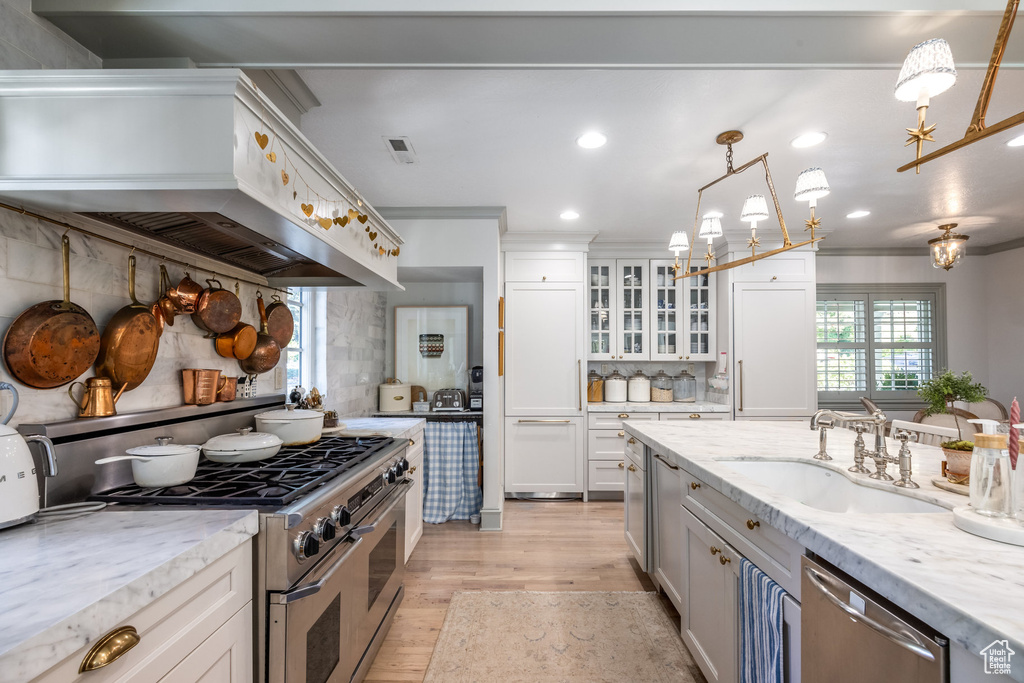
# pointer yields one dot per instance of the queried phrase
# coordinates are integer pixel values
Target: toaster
(449, 400)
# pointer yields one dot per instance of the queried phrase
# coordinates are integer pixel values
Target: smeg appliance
(449, 400)
(331, 547)
(19, 489)
(476, 388)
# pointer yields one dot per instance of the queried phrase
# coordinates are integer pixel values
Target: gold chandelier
(948, 249)
(811, 185)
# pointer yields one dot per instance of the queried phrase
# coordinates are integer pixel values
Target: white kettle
(19, 492)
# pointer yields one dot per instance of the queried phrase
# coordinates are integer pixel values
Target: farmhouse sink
(825, 489)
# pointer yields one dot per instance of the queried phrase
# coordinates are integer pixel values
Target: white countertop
(65, 583)
(652, 407)
(396, 427)
(969, 588)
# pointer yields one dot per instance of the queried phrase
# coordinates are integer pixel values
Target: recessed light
(569, 215)
(591, 140)
(808, 139)
(858, 214)
(1016, 142)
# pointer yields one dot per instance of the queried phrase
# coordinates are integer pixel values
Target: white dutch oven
(295, 427)
(161, 465)
(244, 446)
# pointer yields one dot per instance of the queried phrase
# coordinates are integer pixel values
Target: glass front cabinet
(639, 312)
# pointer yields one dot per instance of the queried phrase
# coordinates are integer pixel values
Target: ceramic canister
(395, 398)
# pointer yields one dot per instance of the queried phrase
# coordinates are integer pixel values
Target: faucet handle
(903, 436)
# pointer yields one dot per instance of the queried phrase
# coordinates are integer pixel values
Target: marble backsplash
(355, 355)
(701, 370)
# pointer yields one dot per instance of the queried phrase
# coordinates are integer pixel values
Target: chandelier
(948, 249)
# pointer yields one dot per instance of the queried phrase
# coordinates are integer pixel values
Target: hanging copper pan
(280, 322)
(267, 352)
(163, 308)
(217, 311)
(53, 342)
(130, 341)
(238, 343)
(185, 295)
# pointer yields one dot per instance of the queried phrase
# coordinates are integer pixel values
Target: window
(879, 341)
(299, 355)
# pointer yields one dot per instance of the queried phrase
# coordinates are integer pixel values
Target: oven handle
(309, 589)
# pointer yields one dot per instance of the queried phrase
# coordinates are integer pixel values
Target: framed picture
(432, 346)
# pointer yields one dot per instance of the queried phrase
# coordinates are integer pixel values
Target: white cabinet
(635, 502)
(544, 455)
(667, 535)
(202, 630)
(774, 349)
(414, 498)
(544, 266)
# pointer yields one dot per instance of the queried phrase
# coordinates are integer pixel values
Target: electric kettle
(19, 492)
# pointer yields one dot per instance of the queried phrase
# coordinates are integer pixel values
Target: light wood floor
(549, 546)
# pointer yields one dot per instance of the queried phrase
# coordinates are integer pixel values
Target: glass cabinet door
(602, 299)
(700, 325)
(633, 289)
(666, 312)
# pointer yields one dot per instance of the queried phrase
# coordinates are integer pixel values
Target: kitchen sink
(825, 489)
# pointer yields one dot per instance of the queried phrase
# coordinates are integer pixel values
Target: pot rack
(132, 247)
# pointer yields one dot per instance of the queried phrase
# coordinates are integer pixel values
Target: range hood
(174, 155)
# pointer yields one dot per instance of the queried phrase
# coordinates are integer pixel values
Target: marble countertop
(652, 407)
(380, 426)
(969, 588)
(65, 583)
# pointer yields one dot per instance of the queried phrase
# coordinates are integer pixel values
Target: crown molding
(921, 251)
(442, 212)
(547, 241)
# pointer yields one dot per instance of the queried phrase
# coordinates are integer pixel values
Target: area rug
(569, 636)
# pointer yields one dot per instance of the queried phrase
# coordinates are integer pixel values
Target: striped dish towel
(451, 460)
(761, 638)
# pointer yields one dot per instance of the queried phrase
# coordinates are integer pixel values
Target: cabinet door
(224, 657)
(699, 341)
(603, 309)
(635, 510)
(606, 444)
(544, 455)
(710, 600)
(633, 283)
(414, 499)
(774, 350)
(606, 475)
(543, 266)
(668, 529)
(544, 372)
(667, 312)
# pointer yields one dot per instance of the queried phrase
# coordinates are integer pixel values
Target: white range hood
(173, 154)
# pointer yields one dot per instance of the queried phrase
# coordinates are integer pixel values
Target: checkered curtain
(450, 464)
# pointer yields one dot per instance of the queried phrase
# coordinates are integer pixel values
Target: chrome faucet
(903, 458)
(875, 421)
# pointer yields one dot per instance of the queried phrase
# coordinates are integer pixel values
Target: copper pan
(130, 341)
(280, 322)
(165, 305)
(238, 343)
(217, 310)
(53, 342)
(185, 295)
(267, 352)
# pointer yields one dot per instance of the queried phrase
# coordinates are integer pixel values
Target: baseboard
(490, 520)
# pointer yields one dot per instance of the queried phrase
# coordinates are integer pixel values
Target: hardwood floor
(545, 546)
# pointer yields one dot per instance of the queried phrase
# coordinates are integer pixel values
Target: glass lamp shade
(810, 185)
(679, 242)
(948, 249)
(710, 227)
(927, 71)
(755, 208)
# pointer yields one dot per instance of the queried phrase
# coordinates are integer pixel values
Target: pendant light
(678, 243)
(755, 209)
(811, 185)
(948, 249)
(927, 71)
(710, 228)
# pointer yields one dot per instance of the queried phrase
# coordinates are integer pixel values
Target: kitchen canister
(595, 387)
(661, 388)
(395, 397)
(615, 388)
(684, 388)
(639, 388)
(991, 491)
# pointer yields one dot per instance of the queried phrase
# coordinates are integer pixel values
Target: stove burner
(272, 492)
(179, 490)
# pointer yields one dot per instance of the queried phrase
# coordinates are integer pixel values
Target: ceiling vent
(401, 150)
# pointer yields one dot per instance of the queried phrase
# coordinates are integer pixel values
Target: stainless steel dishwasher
(851, 635)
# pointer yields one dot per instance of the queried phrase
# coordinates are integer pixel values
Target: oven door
(320, 630)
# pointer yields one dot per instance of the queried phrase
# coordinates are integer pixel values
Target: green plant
(942, 391)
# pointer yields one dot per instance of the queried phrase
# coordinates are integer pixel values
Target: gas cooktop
(276, 481)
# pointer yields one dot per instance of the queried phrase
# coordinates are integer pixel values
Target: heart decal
(343, 221)
(363, 217)
(262, 140)
(352, 213)
(272, 157)
(394, 252)
(373, 235)
(325, 223)
(284, 178)
(307, 209)
(381, 251)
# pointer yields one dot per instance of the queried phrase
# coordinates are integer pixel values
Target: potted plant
(941, 393)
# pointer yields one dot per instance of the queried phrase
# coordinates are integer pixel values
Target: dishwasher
(851, 634)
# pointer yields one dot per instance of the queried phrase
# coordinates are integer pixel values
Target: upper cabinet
(638, 311)
(543, 266)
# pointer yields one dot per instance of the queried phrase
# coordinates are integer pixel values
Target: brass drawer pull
(623, 415)
(631, 441)
(632, 468)
(694, 416)
(622, 433)
(715, 551)
(109, 648)
(694, 486)
(412, 442)
(724, 560)
(751, 524)
(621, 465)
(412, 469)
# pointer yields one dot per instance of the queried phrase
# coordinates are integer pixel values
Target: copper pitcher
(98, 397)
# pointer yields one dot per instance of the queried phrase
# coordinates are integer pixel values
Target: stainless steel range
(331, 548)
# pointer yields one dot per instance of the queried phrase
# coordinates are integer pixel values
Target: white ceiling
(492, 94)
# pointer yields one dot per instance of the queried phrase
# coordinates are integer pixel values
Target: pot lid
(163, 447)
(639, 374)
(594, 374)
(661, 374)
(290, 414)
(243, 440)
(614, 377)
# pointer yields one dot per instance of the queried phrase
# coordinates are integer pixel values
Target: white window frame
(305, 298)
(868, 293)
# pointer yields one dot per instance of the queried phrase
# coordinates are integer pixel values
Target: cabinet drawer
(606, 475)
(606, 444)
(693, 416)
(790, 268)
(174, 624)
(635, 451)
(614, 420)
(767, 547)
(544, 266)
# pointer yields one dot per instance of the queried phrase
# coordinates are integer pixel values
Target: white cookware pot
(161, 465)
(295, 427)
(243, 446)
(19, 492)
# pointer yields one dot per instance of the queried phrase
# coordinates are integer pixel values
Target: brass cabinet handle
(623, 415)
(741, 386)
(715, 551)
(412, 442)
(544, 421)
(579, 387)
(631, 441)
(544, 278)
(751, 524)
(724, 560)
(412, 469)
(109, 648)
(632, 468)
(621, 465)
(622, 433)
(694, 486)
(694, 416)
(670, 465)
(620, 356)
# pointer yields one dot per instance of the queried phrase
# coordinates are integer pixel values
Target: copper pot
(237, 343)
(186, 295)
(267, 352)
(167, 308)
(130, 341)
(280, 322)
(200, 385)
(217, 310)
(228, 388)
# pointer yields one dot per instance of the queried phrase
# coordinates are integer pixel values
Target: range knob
(324, 528)
(306, 546)
(341, 515)
(393, 475)
(404, 466)
(384, 477)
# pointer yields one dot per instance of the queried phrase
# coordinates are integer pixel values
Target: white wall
(1003, 325)
(30, 42)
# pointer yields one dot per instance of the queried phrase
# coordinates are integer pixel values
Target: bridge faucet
(875, 420)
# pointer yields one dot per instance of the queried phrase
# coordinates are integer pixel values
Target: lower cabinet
(635, 501)
(667, 535)
(414, 498)
(544, 455)
(202, 630)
